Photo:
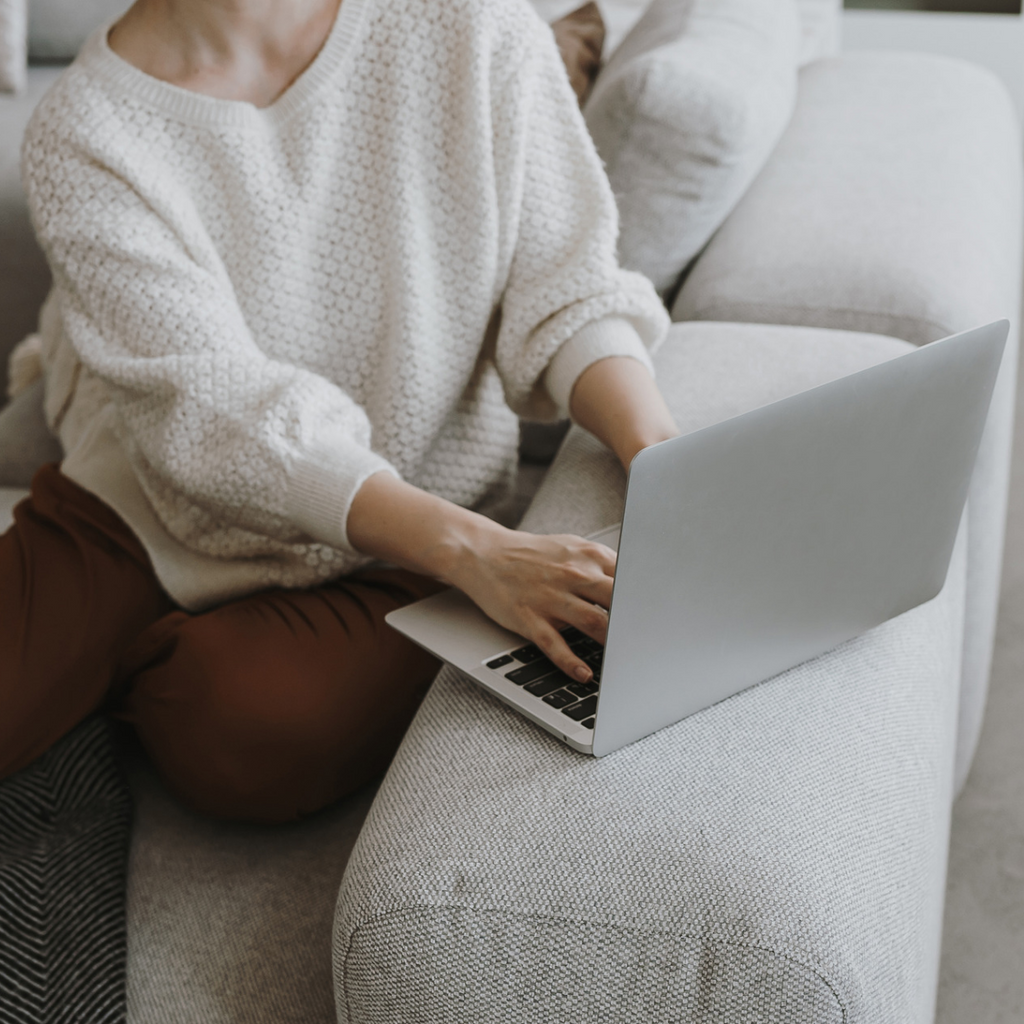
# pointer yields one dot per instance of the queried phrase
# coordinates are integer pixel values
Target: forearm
(617, 400)
(398, 523)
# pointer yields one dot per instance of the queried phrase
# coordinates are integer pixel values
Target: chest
(347, 230)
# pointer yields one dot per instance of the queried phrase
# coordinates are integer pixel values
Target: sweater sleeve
(149, 309)
(566, 302)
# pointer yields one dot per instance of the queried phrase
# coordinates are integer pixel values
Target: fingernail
(581, 673)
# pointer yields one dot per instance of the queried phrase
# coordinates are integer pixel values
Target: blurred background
(966, 6)
(988, 32)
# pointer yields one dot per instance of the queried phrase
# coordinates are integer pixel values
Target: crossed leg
(275, 705)
(263, 709)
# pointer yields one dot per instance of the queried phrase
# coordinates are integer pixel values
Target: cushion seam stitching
(561, 920)
(709, 312)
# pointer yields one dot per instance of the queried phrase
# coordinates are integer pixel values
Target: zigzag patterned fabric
(64, 828)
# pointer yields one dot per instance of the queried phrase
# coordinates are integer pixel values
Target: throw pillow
(57, 28)
(12, 45)
(580, 37)
(684, 116)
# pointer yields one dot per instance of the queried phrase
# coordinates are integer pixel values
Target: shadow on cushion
(25, 440)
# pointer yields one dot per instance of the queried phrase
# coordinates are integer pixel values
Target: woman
(309, 263)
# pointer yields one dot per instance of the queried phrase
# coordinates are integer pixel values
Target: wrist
(399, 523)
(455, 556)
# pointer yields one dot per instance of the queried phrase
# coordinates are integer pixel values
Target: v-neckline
(197, 107)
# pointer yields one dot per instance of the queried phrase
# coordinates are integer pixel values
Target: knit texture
(257, 309)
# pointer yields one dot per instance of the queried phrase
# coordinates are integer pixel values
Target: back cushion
(12, 45)
(685, 114)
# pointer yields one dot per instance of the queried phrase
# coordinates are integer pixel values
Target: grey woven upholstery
(778, 857)
(230, 923)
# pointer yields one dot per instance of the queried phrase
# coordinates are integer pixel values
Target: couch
(778, 857)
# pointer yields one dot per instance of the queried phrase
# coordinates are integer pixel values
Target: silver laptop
(752, 545)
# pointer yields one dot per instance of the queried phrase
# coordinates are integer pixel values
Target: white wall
(994, 40)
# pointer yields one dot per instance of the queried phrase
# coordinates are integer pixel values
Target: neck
(249, 50)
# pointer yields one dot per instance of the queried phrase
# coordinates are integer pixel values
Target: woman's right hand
(531, 584)
(536, 585)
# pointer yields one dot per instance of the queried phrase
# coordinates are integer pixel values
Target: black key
(572, 635)
(560, 698)
(531, 652)
(588, 724)
(583, 689)
(584, 709)
(505, 659)
(528, 673)
(542, 687)
(595, 660)
(581, 648)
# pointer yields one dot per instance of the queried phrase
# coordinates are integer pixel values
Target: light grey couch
(779, 857)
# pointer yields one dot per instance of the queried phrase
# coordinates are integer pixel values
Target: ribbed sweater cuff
(613, 336)
(323, 485)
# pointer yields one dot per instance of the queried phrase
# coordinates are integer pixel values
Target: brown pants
(266, 708)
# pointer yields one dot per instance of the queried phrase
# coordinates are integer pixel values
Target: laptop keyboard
(529, 668)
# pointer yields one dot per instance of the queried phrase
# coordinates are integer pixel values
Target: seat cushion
(892, 204)
(230, 923)
(779, 856)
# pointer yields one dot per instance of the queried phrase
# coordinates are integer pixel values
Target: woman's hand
(534, 585)
(531, 584)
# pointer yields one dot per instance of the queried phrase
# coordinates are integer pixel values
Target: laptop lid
(754, 544)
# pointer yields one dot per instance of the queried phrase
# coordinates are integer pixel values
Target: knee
(245, 730)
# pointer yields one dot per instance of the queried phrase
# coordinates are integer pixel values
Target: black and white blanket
(65, 823)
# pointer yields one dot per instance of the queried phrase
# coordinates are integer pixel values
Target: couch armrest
(779, 857)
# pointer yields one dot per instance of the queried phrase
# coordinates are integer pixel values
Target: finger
(587, 617)
(591, 551)
(553, 644)
(605, 557)
(595, 591)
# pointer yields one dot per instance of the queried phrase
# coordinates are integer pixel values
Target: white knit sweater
(254, 310)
